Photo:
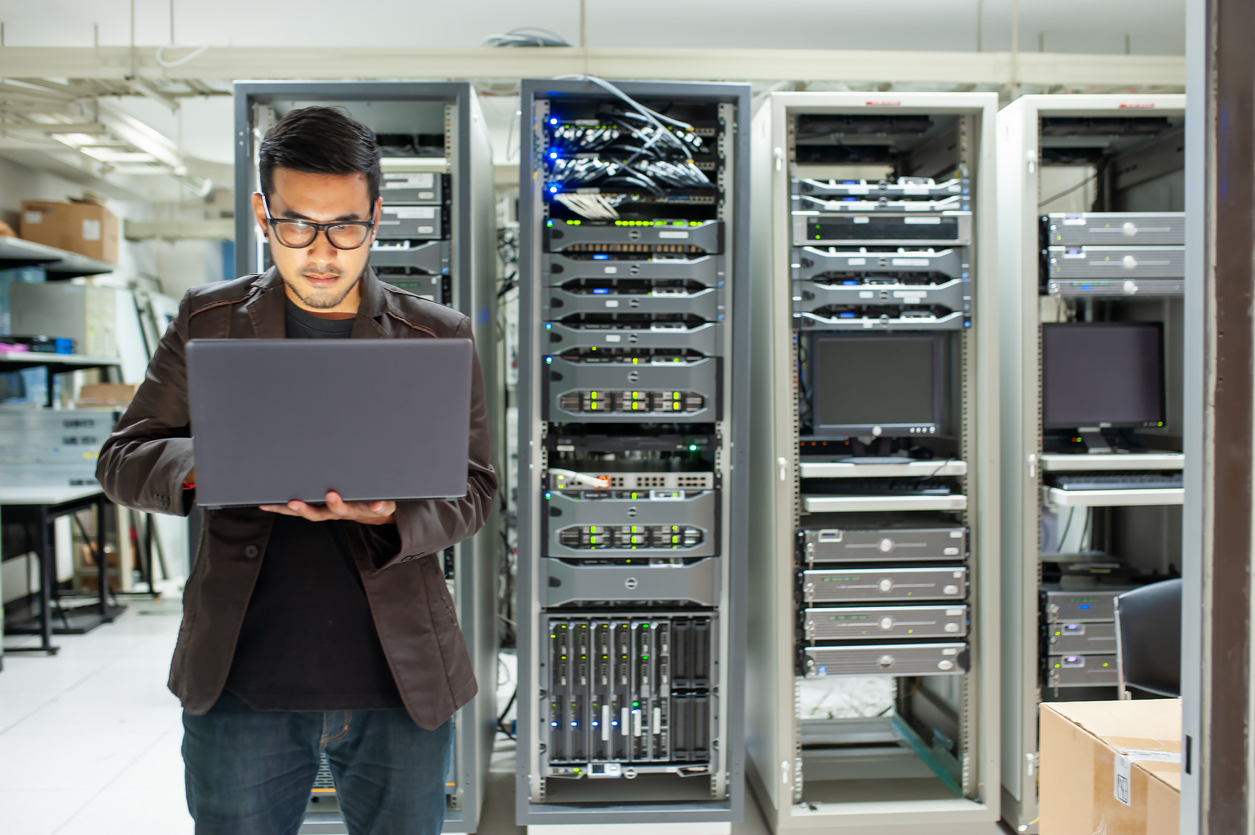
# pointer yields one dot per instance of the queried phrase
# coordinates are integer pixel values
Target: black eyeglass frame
(324, 228)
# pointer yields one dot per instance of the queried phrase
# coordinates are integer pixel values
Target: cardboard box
(86, 228)
(95, 395)
(1111, 768)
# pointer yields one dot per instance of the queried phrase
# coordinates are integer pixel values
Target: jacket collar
(265, 307)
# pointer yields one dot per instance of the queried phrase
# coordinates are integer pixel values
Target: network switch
(1081, 671)
(679, 582)
(603, 523)
(1115, 228)
(859, 623)
(888, 228)
(824, 545)
(888, 584)
(643, 238)
(1067, 638)
(885, 660)
(1114, 262)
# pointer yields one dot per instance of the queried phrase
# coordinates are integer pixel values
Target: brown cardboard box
(1093, 751)
(93, 395)
(86, 228)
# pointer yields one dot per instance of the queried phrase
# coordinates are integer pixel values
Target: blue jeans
(249, 772)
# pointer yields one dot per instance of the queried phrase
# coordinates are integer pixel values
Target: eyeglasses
(298, 234)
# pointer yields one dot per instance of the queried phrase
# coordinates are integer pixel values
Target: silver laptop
(280, 419)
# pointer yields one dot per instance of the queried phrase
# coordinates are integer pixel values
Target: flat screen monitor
(880, 385)
(1098, 374)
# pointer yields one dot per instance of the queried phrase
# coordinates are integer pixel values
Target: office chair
(1148, 639)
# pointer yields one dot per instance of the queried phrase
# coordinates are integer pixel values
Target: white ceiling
(1151, 26)
(202, 128)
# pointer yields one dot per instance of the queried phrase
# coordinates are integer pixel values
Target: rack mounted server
(873, 461)
(634, 284)
(436, 239)
(1104, 253)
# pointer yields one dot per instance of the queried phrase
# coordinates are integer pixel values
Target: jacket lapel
(265, 308)
(369, 321)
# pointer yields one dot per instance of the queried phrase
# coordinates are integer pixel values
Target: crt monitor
(886, 385)
(1099, 374)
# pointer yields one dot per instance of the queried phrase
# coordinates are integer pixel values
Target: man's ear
(259, 213)
(376, 216)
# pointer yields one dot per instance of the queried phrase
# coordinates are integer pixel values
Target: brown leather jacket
(144, 462)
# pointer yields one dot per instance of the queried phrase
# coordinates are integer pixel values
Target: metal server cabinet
(873, 641)
(437, 174)
(633, 435)
(1076, 175)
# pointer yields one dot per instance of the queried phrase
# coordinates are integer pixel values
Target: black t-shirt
(309, 641)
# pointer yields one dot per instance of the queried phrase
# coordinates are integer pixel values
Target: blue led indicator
(554, 724)
(1085, 606)
(553, 189)
(848, 282)
(548, 326)
(601, 257)
(575, 724)
(548, 360)
(847, 315)
(553, 155)
(600, 291)
(553, 121)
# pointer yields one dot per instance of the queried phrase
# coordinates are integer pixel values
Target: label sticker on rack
(673, 234)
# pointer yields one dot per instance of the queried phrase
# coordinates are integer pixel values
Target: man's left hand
(368, 513)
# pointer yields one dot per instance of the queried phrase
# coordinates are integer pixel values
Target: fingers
(336, 508)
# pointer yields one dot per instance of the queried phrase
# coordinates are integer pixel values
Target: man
(309, 629)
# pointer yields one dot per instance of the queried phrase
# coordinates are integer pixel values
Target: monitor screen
(861, 382)
(1102, 374)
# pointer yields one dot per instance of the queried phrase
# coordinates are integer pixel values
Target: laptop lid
(280, 419)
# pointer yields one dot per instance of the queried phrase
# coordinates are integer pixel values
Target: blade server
(874, 515)
(435, 239)
(633, 201)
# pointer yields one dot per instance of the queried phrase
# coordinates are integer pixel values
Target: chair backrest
(1148, 637)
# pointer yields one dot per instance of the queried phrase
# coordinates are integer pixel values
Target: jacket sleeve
(428, 526)
(144, 462)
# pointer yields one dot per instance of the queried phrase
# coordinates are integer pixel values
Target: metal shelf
(58, 263)
(1055, 497)
(855, 504)
(1053, 462)
(56, 363)
(908, 469)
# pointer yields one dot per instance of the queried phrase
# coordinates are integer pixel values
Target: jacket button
(251, 551)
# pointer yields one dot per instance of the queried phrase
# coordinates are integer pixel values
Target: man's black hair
(320, 140)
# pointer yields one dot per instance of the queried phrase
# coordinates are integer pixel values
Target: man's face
(319, 276)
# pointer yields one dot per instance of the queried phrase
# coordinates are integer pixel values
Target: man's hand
(368, 513)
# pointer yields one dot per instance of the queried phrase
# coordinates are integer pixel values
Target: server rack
(437, 186)
(633, 433)
(1107, 248)
(876, 218)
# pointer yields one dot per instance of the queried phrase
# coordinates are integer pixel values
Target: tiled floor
(89, 739)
